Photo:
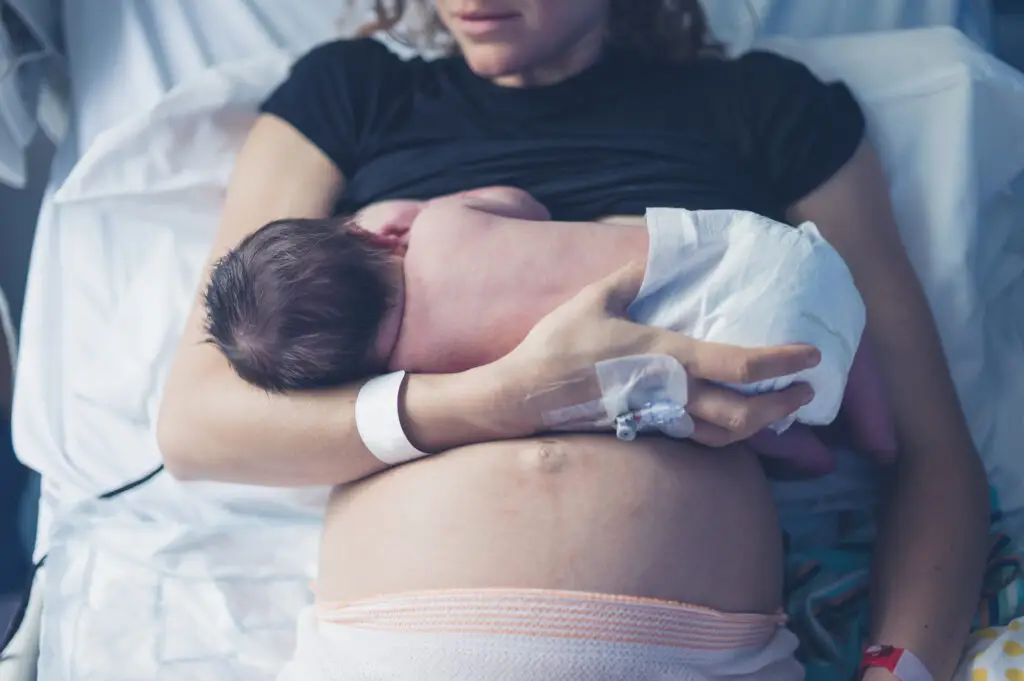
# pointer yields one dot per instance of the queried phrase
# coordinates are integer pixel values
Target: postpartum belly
(653, 518)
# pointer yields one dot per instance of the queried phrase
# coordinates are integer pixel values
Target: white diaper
(739, 278)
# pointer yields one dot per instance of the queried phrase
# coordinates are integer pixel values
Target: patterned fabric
(827, 602)
(995, 654)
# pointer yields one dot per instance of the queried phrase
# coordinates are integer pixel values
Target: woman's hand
(865, 424)
(566, 344)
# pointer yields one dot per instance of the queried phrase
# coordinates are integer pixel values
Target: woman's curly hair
(666, 30)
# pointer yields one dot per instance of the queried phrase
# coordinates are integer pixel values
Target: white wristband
(378, 423)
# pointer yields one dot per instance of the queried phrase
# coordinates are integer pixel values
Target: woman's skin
(933, 541)
(658, 520)
(699, 524)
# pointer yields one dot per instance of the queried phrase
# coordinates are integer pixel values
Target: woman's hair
(666, 30)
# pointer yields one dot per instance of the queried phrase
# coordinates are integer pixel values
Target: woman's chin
(495, 61)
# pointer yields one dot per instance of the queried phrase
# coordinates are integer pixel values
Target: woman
(599, 108)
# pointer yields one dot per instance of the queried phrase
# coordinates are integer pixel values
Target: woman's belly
(655, 518)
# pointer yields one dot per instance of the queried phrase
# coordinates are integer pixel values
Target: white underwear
(530, 635)
(739, 278)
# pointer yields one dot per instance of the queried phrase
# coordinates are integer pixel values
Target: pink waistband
(556, 614)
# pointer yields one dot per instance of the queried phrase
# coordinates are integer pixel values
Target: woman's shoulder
(360, 57)
(333, 92)
(354, 73)
(781, 96)
(770, 76)
(755, 74)
(775, 67)
(787, 123)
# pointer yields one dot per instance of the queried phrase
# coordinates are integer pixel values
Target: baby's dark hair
(298, 304)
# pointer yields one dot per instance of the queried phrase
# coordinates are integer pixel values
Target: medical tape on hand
(626, 394)
(378, 422)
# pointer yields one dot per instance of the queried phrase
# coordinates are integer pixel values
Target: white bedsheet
(129, 598)
(124, 55)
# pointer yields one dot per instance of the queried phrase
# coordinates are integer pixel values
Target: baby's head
(300, 304)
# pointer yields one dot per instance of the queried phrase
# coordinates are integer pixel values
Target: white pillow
(946, 118)
(739, 23)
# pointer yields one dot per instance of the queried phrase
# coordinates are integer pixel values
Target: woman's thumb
(618, 290)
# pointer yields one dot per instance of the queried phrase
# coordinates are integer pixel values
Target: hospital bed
(169, 581)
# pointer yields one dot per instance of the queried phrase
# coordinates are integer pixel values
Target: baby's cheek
(418, 255)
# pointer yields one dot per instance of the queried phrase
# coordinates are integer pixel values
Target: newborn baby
(456, 282)
(431, 286)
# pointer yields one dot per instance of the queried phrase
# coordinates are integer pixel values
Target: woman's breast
(654, 518)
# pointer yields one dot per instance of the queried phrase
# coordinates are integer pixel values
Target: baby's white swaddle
(739, 278)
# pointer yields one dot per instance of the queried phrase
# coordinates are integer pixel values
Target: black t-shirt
(757, 133)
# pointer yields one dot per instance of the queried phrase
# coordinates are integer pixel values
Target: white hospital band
(627, 395)
(378, 423)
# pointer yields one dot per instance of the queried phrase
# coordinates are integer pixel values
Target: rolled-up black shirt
(755, 133)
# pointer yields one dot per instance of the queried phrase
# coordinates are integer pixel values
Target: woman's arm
(934, 534)
(214, 426)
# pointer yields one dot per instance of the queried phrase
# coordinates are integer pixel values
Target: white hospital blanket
(146, 206)
(125, 55)
(130, 598)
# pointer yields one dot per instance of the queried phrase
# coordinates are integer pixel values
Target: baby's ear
(373, 238)
(397, 233)
(394, 229)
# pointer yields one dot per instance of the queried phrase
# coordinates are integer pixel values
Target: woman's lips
(480, 23)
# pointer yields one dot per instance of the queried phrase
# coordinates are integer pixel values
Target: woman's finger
(730, 416)
(732, 364)
(710, 435)
(615, 292)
